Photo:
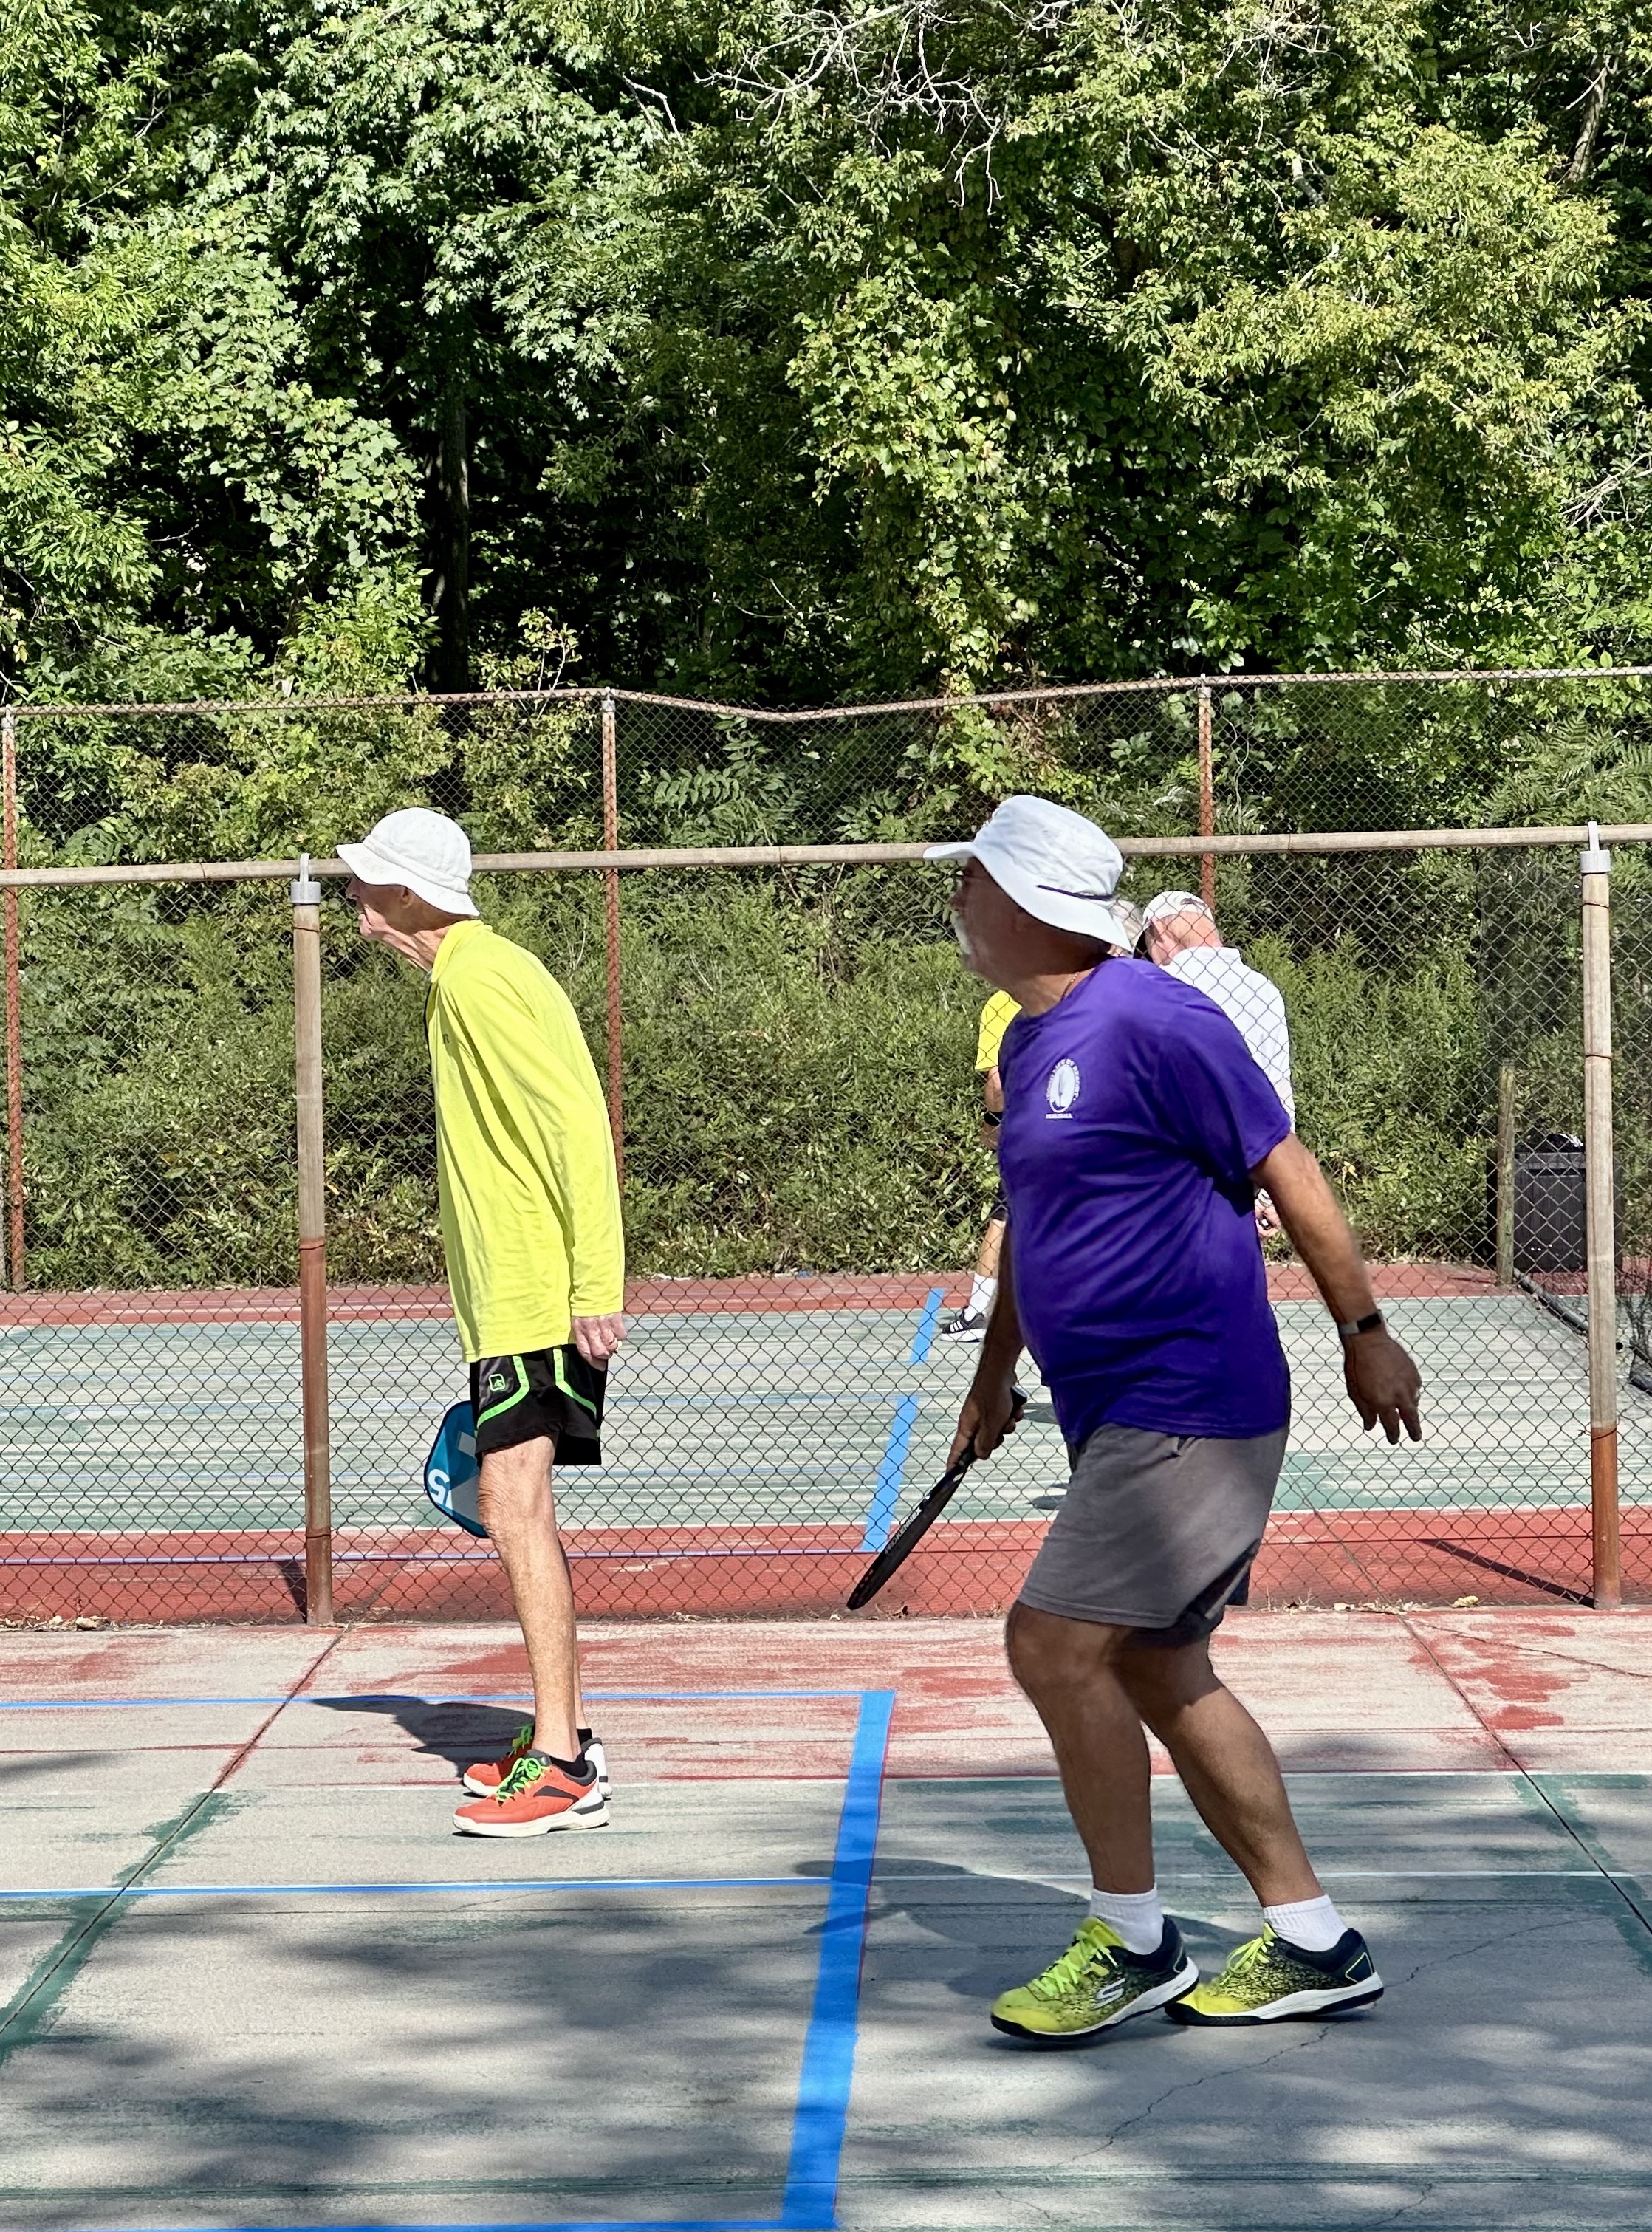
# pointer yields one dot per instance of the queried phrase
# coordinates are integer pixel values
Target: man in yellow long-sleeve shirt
(530, 1220)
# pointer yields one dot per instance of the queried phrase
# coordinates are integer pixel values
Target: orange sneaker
(535, 1797)
(483, 1780)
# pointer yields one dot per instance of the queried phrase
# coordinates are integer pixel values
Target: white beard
(964, 946)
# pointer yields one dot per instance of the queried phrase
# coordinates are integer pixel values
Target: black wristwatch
(1346, 1332)
(994, 1117)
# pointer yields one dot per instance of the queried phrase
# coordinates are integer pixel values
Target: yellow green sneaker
(1270, 1979)
(1095, 1984)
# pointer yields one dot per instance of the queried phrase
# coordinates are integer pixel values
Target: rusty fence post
(616, 1000)
(1207, 799)
(17, 1261)
(312, 1246)
(1508, 1115)
(1601, 1228)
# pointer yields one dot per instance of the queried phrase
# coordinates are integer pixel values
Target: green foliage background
(791, 351)
(786, 350)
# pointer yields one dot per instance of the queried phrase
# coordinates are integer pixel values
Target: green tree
(179, 503)
(429, 181)
(1105, 344)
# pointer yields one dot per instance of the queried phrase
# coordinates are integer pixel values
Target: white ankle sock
(1312, 1924)
(982, 1292)
(1135, 1916)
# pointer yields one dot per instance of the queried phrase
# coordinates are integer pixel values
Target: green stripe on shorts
(510, 1402)
(573, 1394)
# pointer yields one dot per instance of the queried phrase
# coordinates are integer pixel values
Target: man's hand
(1381, 1378)
(1383, 1382)
(988, 1414)
(597, 1338)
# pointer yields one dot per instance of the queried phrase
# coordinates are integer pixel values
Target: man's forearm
(1318, 1231)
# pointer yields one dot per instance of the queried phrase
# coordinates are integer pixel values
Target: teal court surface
(756, 1450)
(249, 1977)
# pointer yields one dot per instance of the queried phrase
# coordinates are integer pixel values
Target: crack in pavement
(1444, 1960)
(1316, 2035)
(1517, 1649)
(1396, 2217)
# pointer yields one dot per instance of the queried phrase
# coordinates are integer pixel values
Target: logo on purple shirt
(1063, 1088)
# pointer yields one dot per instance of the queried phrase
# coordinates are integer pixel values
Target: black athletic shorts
(553, 1392)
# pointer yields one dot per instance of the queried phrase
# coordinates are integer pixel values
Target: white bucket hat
(1055, 865)
(426, 852)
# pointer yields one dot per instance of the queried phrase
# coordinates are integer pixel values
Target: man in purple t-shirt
(1136, 1129)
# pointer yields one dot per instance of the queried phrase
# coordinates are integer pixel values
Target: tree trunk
(1583, 154)
(450, 579)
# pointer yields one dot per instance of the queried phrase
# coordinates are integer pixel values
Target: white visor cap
(1055, 865)
(426, 852)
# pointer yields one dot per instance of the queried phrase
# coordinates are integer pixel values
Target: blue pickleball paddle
(451, 1473)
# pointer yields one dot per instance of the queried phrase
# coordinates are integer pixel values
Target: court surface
(152, 1465)
(249, 1978)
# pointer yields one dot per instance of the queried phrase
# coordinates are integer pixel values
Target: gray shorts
(1156, 1531)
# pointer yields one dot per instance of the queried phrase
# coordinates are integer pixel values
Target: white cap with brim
(1056, 866)
(1165, 906)
(426, 852)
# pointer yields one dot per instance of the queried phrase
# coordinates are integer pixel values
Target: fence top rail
(818, 856)
(1032, 694)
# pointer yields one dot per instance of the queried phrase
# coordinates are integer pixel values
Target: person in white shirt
(1181, 936)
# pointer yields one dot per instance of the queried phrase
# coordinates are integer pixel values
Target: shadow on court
(487, 2063)
(313, 2006)
(459, 1732)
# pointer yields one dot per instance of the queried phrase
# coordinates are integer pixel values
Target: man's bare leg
(1067, 1667)
(992, 1245)
(1226, 1763)
(1093, 1687)
(514, 1501)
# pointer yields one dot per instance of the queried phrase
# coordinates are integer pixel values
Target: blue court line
(808, 2200)
(401, 1697)
(890, 1473)
(811, 2195)
(366, 1889)
(926, 1324)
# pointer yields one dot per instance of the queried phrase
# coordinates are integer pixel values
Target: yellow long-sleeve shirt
(524, 1158)
(996, 1017)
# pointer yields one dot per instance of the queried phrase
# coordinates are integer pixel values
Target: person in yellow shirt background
(535, 1258)
(971, 1322)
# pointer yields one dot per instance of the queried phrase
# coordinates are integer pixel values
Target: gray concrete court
(733, 1420)
(318, 2008)
(1498, 2083)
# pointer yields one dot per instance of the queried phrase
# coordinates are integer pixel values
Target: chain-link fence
(790, 1043)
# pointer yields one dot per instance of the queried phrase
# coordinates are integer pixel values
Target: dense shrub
(799, 1087)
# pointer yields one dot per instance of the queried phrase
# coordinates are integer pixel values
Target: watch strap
(1368, 1323)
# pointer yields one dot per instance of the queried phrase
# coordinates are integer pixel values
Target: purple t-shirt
(1133, 1116)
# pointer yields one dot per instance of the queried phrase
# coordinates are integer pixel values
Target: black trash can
(1550, 1220)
